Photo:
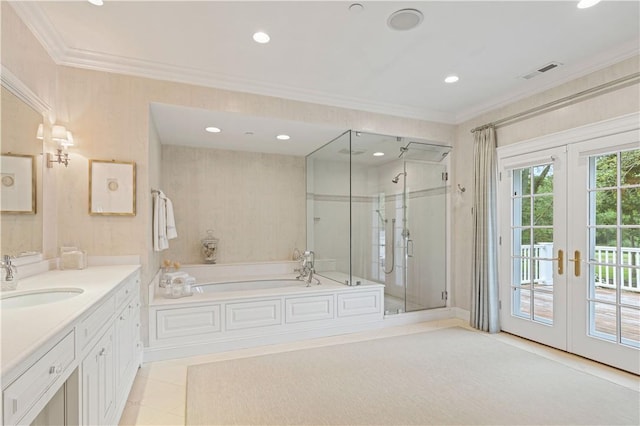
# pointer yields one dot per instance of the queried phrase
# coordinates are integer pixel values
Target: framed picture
(112, 188)
(18, 184)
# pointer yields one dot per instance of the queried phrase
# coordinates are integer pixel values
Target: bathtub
(260, 284)
(246, 305)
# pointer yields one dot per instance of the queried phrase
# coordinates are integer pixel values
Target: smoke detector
(545, 68)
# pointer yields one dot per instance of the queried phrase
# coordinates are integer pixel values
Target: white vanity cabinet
(110, 366)
(98, 382)
(91, 347)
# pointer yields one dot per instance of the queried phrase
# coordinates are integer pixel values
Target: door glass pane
(630, 167)
(630, 206)
(543, 239)
(606, 207)
(629, 329)
(605, 170)
(604, 250)
(532, 239)
(521, 241)
(543, 306)
(543, 179)
(603, 322)
(630, 295)
(543, 209)
(522, 302)
(524, 177)
(614, 270)
(525, 211)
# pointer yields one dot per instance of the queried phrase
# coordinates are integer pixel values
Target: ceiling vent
(545, 68)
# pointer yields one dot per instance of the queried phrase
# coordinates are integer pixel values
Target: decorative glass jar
(209, 247)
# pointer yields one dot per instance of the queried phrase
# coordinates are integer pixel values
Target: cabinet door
(98, 390)
(126, 343)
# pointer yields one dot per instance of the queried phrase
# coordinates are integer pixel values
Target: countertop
(28, 330)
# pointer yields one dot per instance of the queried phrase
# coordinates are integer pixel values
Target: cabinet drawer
(91, 325)
(127, 290)
(51, 369)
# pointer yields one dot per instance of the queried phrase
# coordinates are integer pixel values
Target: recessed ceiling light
(583, 4)
(378, 154)
(451, 79)
(405, 19)
(96, 2)
(356, 8)
(283, 137)
(261, 37)
(212, 129)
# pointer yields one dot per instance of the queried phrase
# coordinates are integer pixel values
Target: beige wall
(254, 203)
(590, 110)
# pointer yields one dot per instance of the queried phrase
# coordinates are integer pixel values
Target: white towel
(164, 227)
(171, 222)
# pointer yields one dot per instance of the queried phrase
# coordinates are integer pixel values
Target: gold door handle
(576, 264)
(560, 262)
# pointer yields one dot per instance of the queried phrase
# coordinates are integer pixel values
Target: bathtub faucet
(307, 269)
(8, 268)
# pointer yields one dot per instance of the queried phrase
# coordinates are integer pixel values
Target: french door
(570, 247)
(533, 220)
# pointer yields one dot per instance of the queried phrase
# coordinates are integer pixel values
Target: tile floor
(159, 391)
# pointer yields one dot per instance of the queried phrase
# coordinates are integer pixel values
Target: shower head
(395, 179)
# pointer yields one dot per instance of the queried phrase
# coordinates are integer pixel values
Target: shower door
(424, 235)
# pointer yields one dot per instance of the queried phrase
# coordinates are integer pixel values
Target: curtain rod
(557, 103)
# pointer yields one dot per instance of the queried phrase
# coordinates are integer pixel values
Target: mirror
(21, 230)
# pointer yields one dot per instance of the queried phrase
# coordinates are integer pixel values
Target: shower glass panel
(328, 208)
(377, 212)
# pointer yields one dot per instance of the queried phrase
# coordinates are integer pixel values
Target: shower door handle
(409, 248)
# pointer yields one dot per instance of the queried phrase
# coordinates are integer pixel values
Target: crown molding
(160, 71)
(570, 72)
(14, 85)
(37, 22)
(42, 29)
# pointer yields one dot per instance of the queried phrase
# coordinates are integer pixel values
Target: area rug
(443, 377)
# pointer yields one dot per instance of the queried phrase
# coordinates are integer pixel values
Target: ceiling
(324, 53)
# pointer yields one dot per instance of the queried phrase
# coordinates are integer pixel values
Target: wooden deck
(605, 315)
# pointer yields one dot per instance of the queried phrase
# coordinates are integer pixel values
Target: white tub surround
(254, 312)
(89, 342)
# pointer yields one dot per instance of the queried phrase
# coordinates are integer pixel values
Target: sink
(38, 297)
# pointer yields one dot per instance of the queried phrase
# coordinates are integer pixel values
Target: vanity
(70, 346)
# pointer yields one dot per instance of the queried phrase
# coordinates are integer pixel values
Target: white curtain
(484, 302)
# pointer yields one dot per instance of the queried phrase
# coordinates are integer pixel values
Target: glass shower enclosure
(376, 211)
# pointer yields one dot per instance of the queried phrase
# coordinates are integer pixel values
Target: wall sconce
(63, 138)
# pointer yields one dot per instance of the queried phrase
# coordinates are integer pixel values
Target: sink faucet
(307, 270)
(9, 269)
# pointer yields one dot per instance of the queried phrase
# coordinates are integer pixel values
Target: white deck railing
(605, 271)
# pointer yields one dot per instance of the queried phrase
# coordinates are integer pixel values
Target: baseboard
(462, 314)
(419, 316)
